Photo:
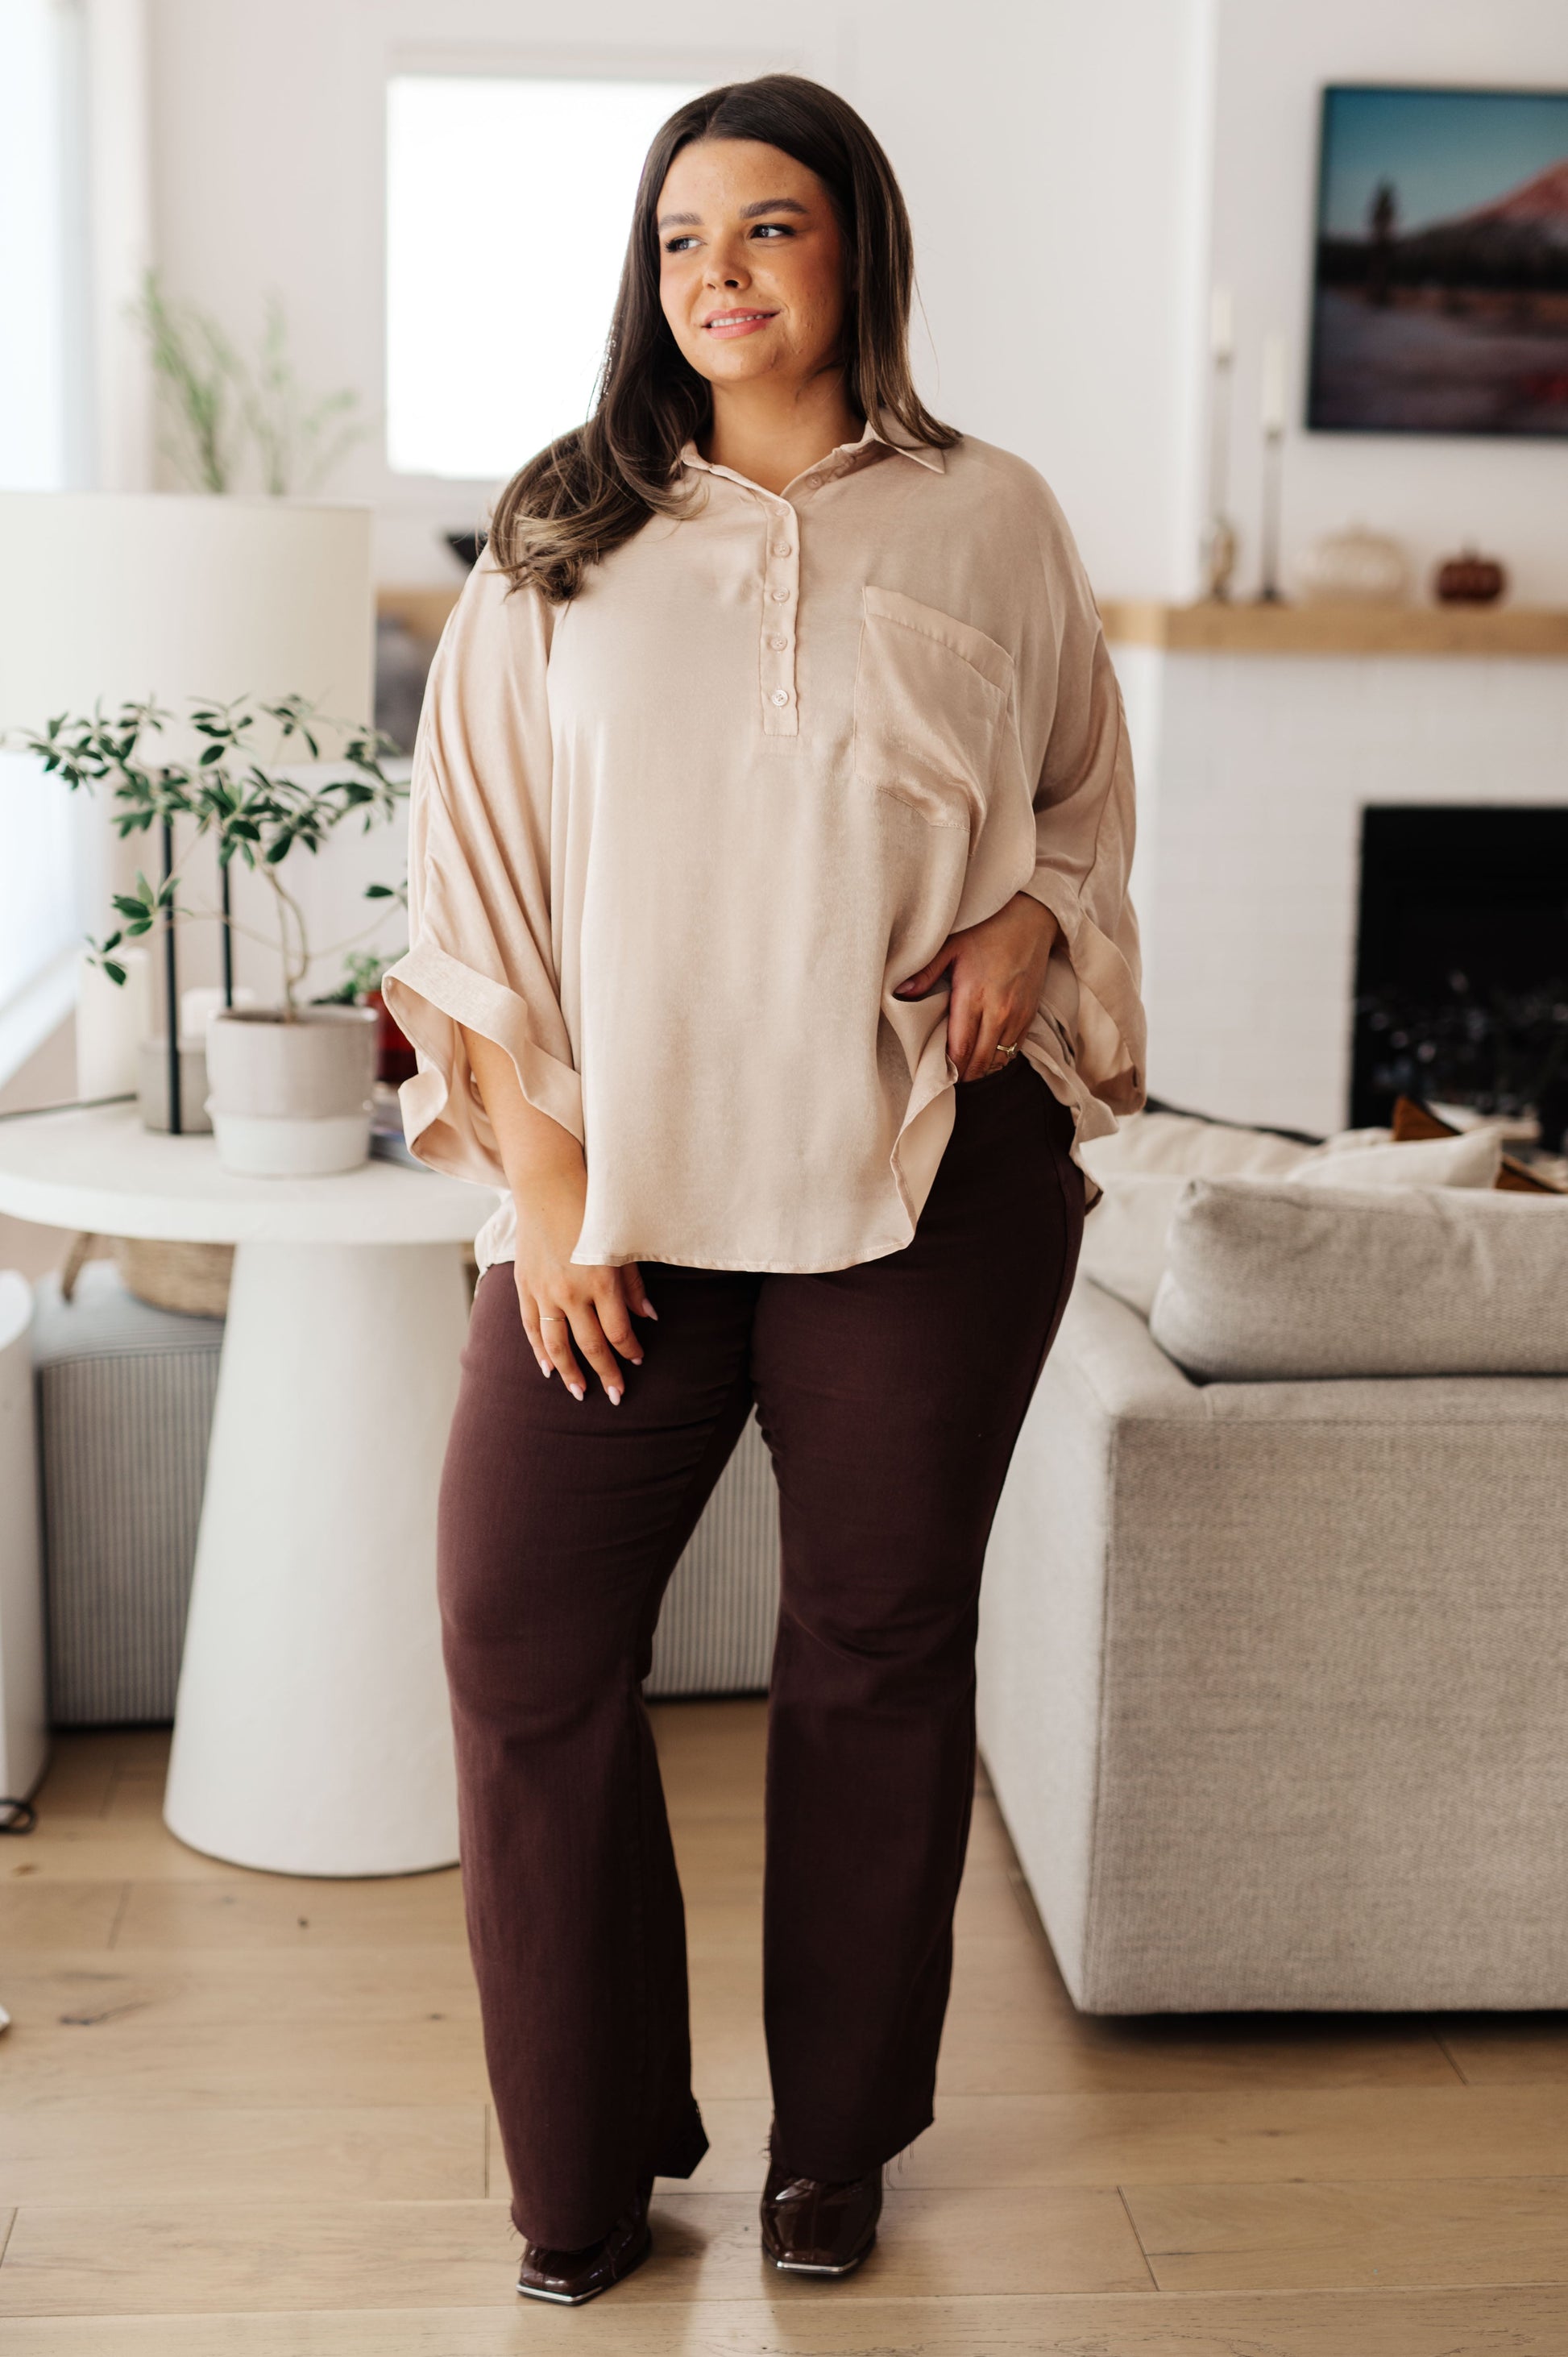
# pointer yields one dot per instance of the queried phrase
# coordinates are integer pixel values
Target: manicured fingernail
(612, 1393)
(649, 1312)
(545, 1369)
(575, 1390)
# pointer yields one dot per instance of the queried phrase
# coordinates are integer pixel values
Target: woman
(770, 945)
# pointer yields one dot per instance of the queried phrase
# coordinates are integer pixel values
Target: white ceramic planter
(291, 1100)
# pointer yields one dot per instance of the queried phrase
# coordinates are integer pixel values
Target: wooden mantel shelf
(1247, 629)
(1238, 629)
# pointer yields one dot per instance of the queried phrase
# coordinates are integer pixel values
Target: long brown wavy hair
(598, 485)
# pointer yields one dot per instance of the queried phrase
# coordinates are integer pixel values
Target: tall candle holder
(171, 985)
(1274, 421)
(1219, 551)
(1270, 592)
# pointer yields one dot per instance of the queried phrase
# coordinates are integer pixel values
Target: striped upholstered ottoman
(125, 1399)
(716, 1632)
(125, 1395)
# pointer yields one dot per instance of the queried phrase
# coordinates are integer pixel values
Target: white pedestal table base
(312, 1732)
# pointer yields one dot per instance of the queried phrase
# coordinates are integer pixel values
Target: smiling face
(752, 270)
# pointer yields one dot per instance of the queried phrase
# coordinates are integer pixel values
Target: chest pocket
(931, 697)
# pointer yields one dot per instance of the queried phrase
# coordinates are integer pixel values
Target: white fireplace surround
(1253, 771)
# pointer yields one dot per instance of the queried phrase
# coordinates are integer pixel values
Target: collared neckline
(923, 454)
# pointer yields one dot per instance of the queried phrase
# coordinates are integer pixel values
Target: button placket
(778, 622)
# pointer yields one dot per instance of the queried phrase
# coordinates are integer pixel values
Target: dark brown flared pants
(890, 1394)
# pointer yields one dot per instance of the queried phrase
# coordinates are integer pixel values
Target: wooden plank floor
(247, 2114)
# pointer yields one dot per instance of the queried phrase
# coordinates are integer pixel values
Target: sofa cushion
(1143, 1169)
(1474, 1158)
(1124, 1249)
(1191, 1148)
(1141, 1172)
(1291, 1280)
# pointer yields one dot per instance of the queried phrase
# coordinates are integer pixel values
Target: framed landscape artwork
(1440, 303)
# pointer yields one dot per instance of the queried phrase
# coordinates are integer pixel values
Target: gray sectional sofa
(1273, 1681)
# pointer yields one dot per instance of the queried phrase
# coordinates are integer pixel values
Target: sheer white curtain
(42, 390)
(38, 41)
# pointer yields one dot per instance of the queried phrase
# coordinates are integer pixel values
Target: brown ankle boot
(813, 2228)
(570, 2277)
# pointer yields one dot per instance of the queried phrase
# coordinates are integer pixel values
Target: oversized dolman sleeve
(482, 949)
(1083, 838)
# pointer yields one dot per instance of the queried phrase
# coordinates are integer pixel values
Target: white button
(780, 596)
(781, 695)
(814, 483)
(778, 642)
(782, 548)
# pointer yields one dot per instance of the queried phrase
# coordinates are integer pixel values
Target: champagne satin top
(674, 845)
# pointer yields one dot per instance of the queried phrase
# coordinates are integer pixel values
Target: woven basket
(192, 1277)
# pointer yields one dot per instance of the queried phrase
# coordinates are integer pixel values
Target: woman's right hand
(565, 1301)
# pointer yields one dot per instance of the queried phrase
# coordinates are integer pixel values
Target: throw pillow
(1471, 1158)
(1276, 1283)
(1414, 1120)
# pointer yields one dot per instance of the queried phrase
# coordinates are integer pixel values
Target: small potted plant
(290, 1085)
(234, 420)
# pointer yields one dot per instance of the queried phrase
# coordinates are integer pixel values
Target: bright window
(508, 206)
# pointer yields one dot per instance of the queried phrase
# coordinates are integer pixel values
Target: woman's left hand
(998, 971)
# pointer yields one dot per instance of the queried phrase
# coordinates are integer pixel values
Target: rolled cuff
(430, 996)
(1052, 890)
(1111, 1028)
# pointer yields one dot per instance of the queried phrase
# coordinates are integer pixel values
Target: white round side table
(312, 1733)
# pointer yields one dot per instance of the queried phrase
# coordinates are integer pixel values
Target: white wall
(1051, 156)
(1076, 174)
(1271, 58)
(1253, 775)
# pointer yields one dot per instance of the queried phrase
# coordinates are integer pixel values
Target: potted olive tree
(290, 1084)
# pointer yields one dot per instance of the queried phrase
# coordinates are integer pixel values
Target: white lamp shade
(123, 595)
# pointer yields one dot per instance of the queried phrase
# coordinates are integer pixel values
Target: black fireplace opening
(1462, 964)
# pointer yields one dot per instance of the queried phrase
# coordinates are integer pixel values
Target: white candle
(1273, 384)
(1221, 325)
(113, 1018)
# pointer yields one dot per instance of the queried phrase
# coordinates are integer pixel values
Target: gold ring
(1007, 1051)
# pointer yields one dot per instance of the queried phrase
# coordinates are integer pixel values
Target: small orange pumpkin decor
(1469, 579)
